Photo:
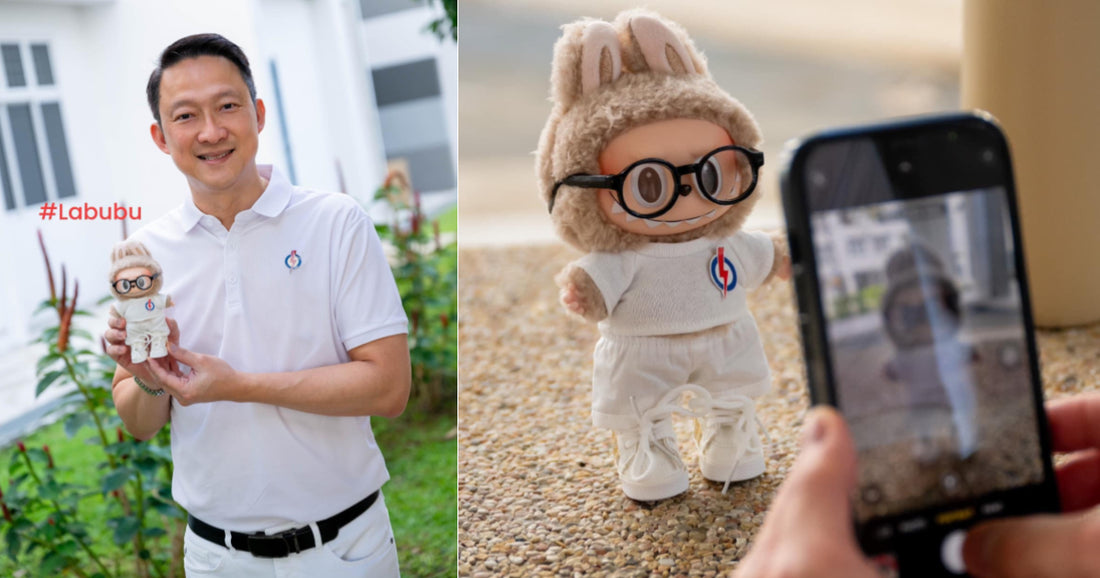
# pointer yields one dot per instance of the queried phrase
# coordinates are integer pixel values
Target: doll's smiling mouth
(654, 223)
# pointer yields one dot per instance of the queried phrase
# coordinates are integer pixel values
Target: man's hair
(195, 46)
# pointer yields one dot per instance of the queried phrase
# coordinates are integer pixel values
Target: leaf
(116, 479)
(15, 543)
(52, 562)
(45, 362)
(68, 548)
(75, 422)
(81, 333)
(49, 490)
(155, 533)
(147, 466)
(125, 528)
(46, 380)
(37, 455)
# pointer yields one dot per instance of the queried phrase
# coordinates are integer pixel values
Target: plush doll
(651, 168)
(921, 314)
(136, 279)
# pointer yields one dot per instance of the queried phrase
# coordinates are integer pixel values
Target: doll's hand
(205, 383)
(571, 298)
(781, 263)
(117, 349)
(579, 294)
(808, 530)
(1053, 544)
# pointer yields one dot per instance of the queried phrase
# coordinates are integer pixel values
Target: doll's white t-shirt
(673, 288)
(145, 314)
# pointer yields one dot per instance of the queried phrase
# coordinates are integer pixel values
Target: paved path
(538, 494)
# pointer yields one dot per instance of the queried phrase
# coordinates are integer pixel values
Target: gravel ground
(538, 493)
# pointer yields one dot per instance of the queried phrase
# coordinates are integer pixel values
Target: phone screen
(930, 360)
(916, 324)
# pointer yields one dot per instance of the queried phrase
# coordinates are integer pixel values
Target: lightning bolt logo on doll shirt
(149, 306)
(722, 273)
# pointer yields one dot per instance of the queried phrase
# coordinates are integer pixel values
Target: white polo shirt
(298, 281)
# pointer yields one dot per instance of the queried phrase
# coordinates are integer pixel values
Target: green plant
(426, 271)
(44, 522)
(446, 25)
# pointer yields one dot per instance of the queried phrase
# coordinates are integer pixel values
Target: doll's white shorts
(647, 367)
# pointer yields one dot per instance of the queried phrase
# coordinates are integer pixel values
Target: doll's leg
(158, 342)
(734, 369)
(632, 377)
(138, 346)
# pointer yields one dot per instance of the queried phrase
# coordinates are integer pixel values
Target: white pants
(646, 368)
(364, 547)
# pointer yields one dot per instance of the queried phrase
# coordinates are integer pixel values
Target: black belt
(285, 543)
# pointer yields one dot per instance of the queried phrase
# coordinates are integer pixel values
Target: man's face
(208, 123)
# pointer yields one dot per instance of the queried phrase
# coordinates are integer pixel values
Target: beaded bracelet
(145, 388)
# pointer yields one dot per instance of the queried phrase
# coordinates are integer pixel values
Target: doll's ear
(586, 57)
(662, 48)
(601, 58)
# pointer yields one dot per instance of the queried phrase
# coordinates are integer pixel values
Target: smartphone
(916, 324)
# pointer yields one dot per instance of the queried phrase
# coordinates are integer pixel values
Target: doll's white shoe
(728, 439)
(138, 354)
(649, 466)
(648, 458)
(158, 350)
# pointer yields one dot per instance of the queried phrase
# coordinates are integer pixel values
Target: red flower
(49, 456)
(49, 270)
(22, 448)
(445, 320)
(121, 436)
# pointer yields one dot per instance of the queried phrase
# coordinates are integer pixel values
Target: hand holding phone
(1039, 546)
(808, 530)
(916, 325)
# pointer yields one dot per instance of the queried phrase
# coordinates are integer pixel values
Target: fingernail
(815, 429)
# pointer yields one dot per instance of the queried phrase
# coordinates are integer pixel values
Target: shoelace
(650, 419)
(739, 412)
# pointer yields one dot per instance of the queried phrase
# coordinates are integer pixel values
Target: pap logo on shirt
(293, 261)
(149, 306)
(722, 273)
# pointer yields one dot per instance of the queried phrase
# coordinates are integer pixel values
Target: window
(410, 110)
(34, 153)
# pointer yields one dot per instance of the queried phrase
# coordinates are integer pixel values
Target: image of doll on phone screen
(922, 317)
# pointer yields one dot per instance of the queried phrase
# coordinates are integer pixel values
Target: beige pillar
(1035, 65)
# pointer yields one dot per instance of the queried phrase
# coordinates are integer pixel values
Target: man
(290, 322)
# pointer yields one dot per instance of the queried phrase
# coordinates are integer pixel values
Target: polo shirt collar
(271, 203)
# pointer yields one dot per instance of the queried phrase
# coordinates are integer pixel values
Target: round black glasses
(650, 187)
(143, 282)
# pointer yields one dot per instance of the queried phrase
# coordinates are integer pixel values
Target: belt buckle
(275, 545)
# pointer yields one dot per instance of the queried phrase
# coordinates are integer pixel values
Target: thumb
(823, 476)
(184, 356)
(1036, 546)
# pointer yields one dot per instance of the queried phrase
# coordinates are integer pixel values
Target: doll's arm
(781, 263)
(579, 293)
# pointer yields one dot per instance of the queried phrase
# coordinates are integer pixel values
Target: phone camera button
(951, 552)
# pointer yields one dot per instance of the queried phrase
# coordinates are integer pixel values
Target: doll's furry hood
(132, 253)
(611, 77)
